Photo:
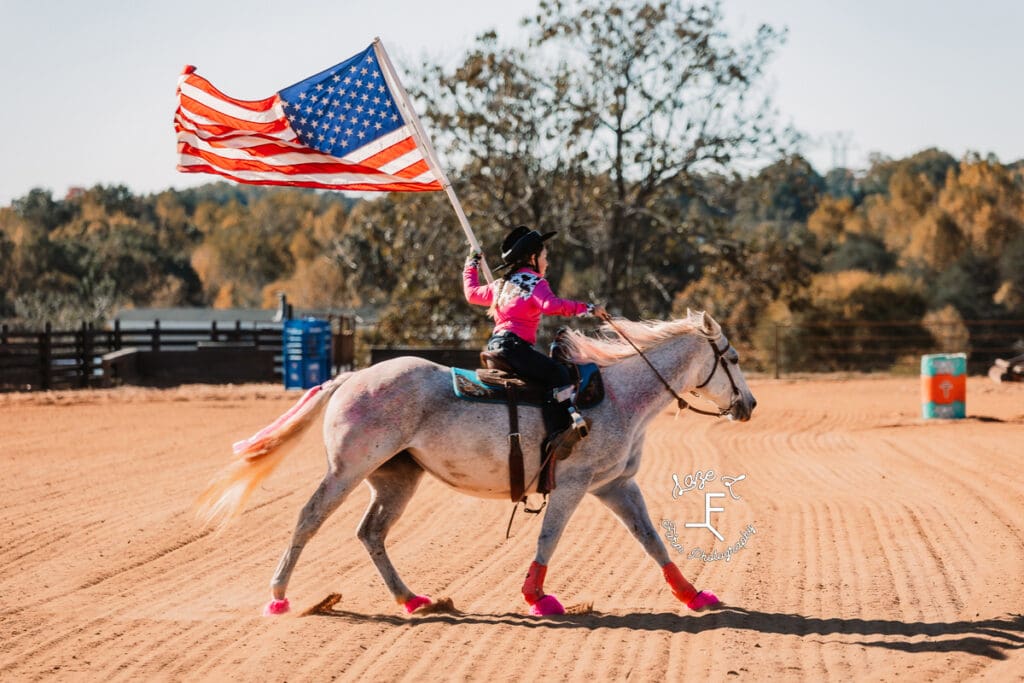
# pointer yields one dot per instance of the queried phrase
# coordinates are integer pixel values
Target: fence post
(238, 331)
(45, 369)
(117, 334)
(213, 330)
(3, 334)
(82, 351)
(778, 353)
(156, 335)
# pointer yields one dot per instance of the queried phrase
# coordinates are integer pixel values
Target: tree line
(628, 127)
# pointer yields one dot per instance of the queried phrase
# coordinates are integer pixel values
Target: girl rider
(517, 300)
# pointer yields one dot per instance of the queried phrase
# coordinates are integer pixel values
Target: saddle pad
(469, 387)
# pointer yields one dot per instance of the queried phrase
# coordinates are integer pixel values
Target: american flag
(340, 129)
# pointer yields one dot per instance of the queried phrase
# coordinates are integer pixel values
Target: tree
(602, 127)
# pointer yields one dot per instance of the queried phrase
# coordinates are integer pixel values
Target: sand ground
(878, 546)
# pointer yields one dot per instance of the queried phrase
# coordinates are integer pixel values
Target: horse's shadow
(986, 638)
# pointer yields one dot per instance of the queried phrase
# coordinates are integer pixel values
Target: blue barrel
(307, 353)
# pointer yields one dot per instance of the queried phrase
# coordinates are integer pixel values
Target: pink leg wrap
(275, 607)
(681, 588)
(702, 600)
(414, 603)
(533, 587)
(546, 606)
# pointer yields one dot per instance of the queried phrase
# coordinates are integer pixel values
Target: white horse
(389, 423)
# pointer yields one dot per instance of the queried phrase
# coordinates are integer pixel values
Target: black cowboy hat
(520, 244)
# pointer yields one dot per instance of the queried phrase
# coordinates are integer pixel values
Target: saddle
(496, 382)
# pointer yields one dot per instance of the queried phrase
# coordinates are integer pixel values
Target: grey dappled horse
(389, 423)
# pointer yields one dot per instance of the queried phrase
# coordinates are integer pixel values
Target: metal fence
(897, 347)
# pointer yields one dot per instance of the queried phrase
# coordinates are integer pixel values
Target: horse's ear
(706, 322)
(709, 325)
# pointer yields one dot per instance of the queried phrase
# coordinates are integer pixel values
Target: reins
(682, 403)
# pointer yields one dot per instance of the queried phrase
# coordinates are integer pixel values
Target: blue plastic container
(307, 353)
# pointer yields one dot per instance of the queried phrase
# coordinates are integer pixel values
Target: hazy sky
(88, 85)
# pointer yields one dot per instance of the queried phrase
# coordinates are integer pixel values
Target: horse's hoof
(275, 607)
(702, 600)
(546, 606)
(414, 603)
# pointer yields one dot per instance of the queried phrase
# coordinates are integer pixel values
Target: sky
(88, 87)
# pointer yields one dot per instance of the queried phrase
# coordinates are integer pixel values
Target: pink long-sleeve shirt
(524, 297)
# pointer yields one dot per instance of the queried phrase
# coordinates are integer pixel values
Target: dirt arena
(866, 544)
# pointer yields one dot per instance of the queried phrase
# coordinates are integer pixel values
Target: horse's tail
(257, 457)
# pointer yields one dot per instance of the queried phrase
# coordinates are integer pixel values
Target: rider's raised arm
(475, 293)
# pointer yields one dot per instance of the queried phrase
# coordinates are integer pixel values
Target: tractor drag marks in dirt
(859, 542)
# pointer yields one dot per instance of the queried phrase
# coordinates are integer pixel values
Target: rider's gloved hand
(474, 257)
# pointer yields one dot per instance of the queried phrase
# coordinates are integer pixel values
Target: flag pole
(423, 142)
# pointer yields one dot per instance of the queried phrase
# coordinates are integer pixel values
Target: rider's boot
(561, 443)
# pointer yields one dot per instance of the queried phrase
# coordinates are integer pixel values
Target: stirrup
(578, 423)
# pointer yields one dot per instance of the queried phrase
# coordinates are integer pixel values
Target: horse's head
(719, 379)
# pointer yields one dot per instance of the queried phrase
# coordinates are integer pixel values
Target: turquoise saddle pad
(468, 387)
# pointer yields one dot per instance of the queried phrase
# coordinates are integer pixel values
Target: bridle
(683, 404)
(720, 360)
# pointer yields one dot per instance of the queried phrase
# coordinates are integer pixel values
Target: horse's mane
(609, 346)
